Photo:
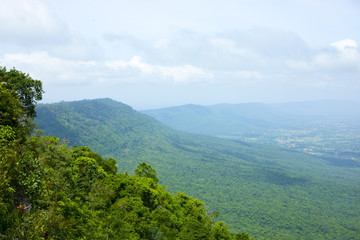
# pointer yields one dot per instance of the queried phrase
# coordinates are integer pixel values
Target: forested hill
(111, 128)
(51, 191)
(268, 192)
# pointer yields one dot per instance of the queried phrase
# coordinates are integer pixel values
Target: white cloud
(184, 73)
(116, 64)
(248, 75)
(135, 63)
(298, 65)
(53, 70)
(346, 57)
(29, 22)
(228, 45)
(49, 69)
(255, 49)
(345, 45)
(341, 56)
(162, 43)
(260, 57)
(348, 53)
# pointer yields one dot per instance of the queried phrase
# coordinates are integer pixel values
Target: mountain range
(267, 191)
(228, 119)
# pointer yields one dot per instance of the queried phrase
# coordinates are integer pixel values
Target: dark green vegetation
(266, 191)
(330, 129)
(51, 191)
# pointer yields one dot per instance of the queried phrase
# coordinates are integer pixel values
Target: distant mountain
(266, 191)
(228, 119)
(324, 128)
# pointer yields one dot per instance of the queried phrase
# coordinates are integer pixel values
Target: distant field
(330, 129)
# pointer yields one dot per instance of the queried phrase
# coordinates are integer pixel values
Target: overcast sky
(157, 53)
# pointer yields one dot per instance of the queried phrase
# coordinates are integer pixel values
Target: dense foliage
(62, 193)
(268, 192)
(19, 94)
(51, 191)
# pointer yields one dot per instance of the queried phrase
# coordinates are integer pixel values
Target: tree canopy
(27, 90)
(51, 191)
(145, 170)
(19, 94)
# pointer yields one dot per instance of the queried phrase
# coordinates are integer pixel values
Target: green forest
(266, 191)
(97, 169)
(49, 190)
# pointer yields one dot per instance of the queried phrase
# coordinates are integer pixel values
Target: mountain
(228, 119)
(329, 129)
(49, 190)
(266, 191)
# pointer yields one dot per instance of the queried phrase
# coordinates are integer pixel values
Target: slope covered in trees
(268, 192)
(51, 191)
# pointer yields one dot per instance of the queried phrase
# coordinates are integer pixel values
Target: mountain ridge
(252, 185)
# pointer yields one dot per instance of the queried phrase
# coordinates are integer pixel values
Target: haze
(152, 54)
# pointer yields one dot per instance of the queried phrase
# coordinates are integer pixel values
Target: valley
(333, 139)
(325, 128)
(267, 191)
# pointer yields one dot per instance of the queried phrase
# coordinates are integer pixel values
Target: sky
(158, 53)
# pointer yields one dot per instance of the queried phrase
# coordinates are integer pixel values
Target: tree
(145, 170)
(10, 108)
(220, 232)
(24, 88)
(19, 94)
(19, 170)
(242, 236)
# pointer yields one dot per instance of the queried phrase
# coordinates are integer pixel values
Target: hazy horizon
(348, 104)
(155, 54)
